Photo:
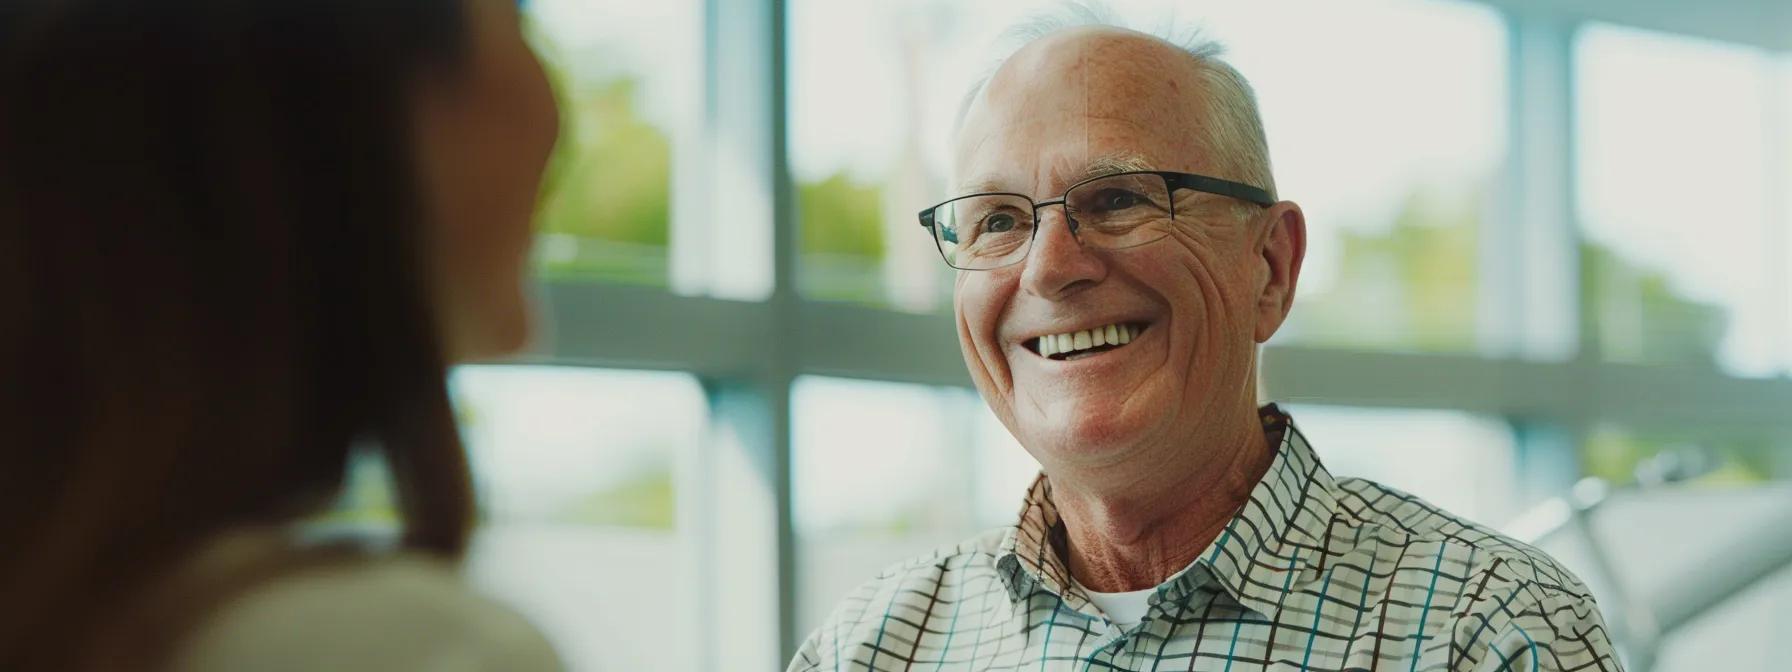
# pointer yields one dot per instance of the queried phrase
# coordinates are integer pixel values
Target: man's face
(1197, 301)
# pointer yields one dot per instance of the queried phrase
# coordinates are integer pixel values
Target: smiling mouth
(1085, 343)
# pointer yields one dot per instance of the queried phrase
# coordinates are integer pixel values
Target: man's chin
(1088, 438)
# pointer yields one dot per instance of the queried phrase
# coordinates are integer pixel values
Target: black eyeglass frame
(1172, 182)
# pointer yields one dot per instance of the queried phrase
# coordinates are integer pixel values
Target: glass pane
(629, 100)
(1004, 473)
(867, 152)
(1461, 462)
(884, 472)
(1716, 456)
(1781, 118)
(1391, 156)
(1675, 200)
(575, 471)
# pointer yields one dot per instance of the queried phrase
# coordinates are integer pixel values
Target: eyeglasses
(980, 232)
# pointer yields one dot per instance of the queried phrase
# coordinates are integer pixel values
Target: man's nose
(1058, 264)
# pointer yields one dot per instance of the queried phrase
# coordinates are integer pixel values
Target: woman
(237, 239)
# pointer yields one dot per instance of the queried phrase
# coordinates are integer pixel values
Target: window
(1708, 456)
(1684, 259)
(1460, 462)
(884, 472)
(1393, 158)
(1781, 110)
(869, 111)
(628, 100)
(576, 476)
(1005, 471)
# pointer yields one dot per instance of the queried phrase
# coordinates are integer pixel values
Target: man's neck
(1136, 537)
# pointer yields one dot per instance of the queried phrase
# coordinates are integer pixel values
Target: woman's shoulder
(389, 612)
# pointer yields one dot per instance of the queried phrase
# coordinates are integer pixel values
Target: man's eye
(999, 223)
(1117, 199)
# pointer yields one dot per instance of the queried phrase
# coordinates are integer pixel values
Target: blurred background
(1551, 240)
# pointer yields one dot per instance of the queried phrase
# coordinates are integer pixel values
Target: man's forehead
(1087, 50)
(1078, 104)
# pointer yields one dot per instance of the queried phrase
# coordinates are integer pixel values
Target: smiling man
(1121, 255)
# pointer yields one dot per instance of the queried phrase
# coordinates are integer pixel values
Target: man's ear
(1282, 249)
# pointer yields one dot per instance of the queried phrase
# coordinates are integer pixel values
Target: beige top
(395, 612)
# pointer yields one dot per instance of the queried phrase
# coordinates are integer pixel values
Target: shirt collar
(1274, 545)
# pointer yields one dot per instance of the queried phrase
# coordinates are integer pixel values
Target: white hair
(1234, 131)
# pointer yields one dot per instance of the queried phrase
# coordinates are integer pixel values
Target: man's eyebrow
(1100, 166)
(982, 185)
(1110, 164)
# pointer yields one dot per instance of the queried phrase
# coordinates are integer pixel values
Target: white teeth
(1066, 343)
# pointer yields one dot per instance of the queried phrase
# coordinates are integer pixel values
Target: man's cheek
(995, 363)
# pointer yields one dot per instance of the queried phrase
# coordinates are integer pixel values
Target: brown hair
(212, 284)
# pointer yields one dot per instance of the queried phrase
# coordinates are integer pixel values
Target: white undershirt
(1124, 609)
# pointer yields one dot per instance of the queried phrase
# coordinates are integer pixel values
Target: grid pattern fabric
(1313, 573)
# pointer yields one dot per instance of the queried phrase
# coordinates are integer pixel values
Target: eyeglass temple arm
(1214, 185)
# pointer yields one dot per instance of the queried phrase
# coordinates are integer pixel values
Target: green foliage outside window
(842, 239)
(606, 212)
(1615, 454)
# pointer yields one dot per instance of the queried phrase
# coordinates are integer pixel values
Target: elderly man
(1121, 255)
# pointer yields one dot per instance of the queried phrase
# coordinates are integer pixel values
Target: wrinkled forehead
(1076, 104)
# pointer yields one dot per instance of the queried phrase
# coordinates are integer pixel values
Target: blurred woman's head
(236, 238)
(483, 136)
